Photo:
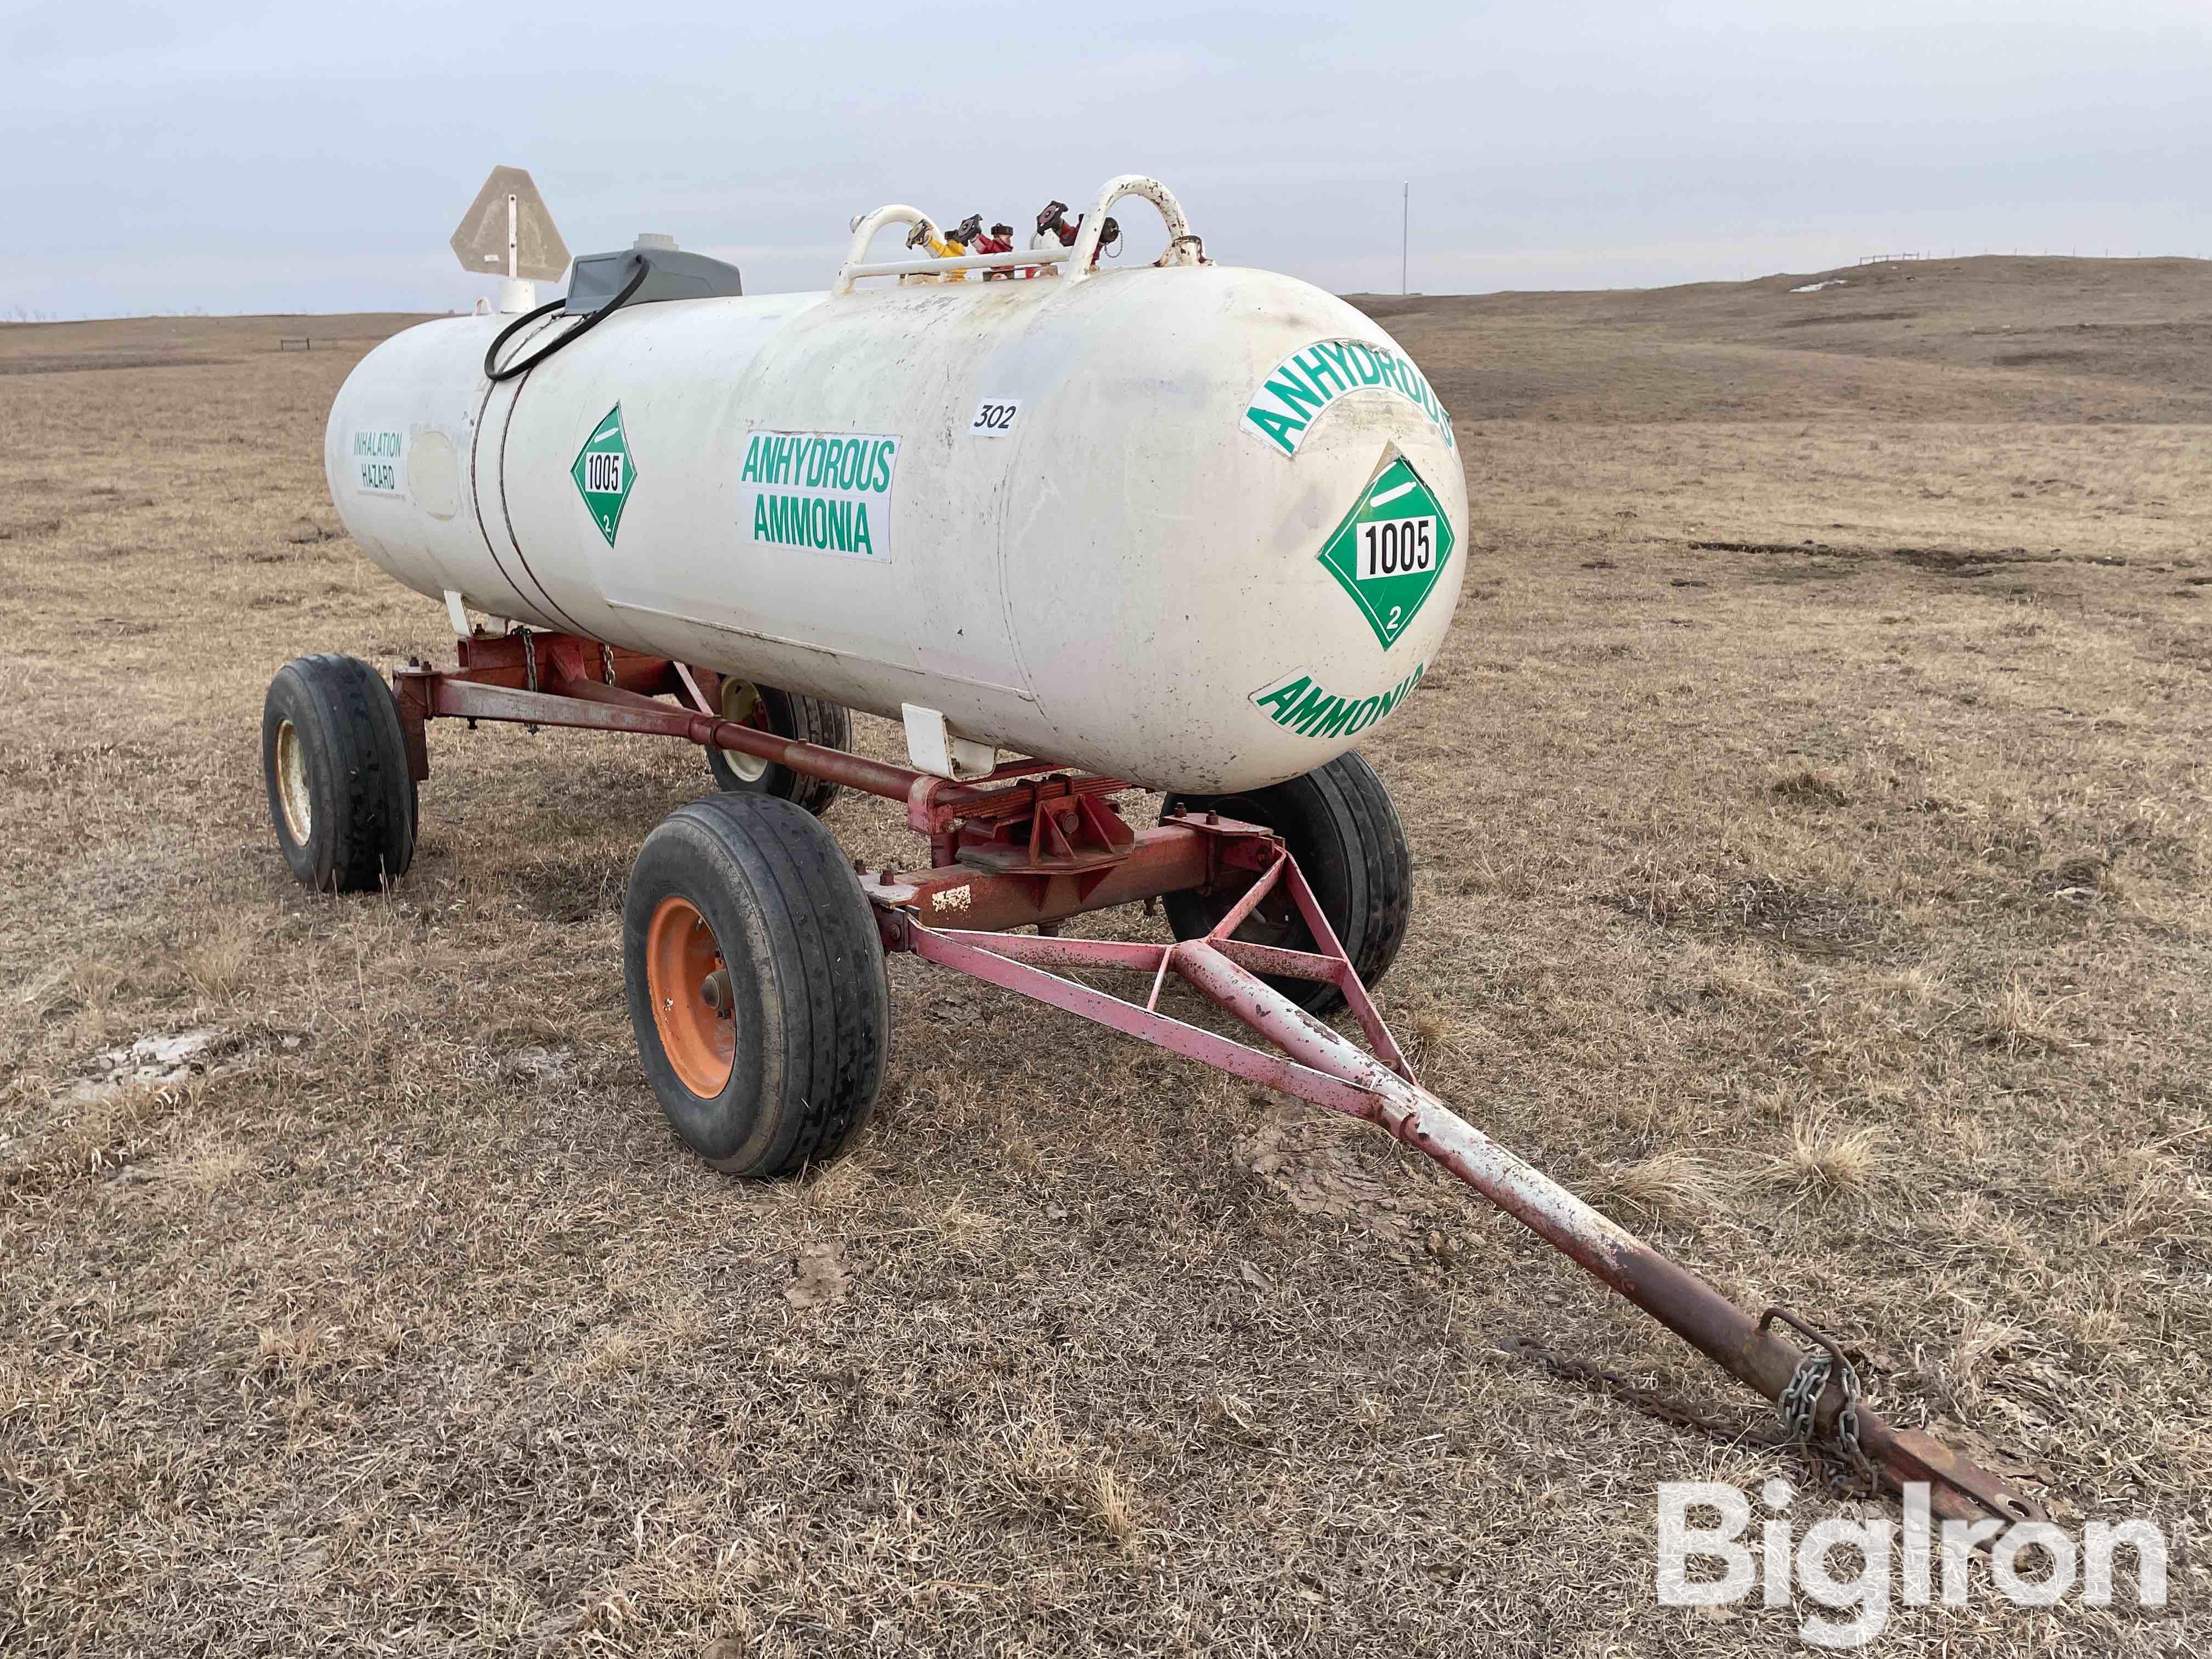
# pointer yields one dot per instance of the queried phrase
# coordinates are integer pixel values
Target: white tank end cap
(931, 748)
(657, 239)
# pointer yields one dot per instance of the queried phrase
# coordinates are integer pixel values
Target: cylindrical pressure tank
(1195, 526)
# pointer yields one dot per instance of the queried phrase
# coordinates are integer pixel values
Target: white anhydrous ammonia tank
(1195, 526)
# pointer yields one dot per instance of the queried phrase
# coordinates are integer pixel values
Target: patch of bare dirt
(152, 1061)
(1338, 1170)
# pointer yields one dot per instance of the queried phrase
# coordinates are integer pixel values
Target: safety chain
(1800, 1400)
(607, 661)
(530, 672)
(1800, 1404)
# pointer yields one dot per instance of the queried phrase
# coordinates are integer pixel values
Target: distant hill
(1997, 338)
(1993, 338)
(125, 343)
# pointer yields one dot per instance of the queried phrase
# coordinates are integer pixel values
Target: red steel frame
(1035, 843)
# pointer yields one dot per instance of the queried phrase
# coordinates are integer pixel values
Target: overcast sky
(291, 157)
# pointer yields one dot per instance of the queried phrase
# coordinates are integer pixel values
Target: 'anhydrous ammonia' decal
(826, 492)
(604, 473)
(1302, 704)
(1307, 382)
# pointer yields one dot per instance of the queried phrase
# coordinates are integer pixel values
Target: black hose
(523, 366)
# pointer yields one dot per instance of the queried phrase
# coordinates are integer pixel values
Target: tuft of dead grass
(221, 966)
(1808, 788)
(1112, 1508)
(1674, 1185)
(1824, 1158)
(2018, 1024)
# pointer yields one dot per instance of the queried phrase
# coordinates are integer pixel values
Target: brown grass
(1824, 1156)
(1813, 839)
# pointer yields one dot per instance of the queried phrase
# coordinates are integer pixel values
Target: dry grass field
(1812, 827)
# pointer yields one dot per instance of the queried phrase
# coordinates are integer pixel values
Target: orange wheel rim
(685, 978)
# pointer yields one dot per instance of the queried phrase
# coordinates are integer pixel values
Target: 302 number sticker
(995, 418)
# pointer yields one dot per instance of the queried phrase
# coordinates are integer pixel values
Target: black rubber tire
(809, 998)
(1341, 827)
(803, 720)
(352, 767)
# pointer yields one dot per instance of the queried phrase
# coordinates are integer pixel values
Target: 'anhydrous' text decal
(1307, 382)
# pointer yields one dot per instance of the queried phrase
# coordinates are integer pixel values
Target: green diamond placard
(604, 473)
(1390, 549)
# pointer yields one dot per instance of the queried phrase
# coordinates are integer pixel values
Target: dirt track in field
(1813, 844)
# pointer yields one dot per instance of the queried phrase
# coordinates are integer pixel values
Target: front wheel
(756, 986)
(1341, 825)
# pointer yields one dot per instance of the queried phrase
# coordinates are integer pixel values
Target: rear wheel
(340, 794)
(1341, 826)
(788, 714)
(756, 986)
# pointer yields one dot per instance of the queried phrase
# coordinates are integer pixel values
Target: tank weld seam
(476, 498)
(730, 628)
(506, 512)
(767, 638)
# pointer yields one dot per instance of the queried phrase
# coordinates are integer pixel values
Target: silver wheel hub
(741, 701)
(292, 796)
